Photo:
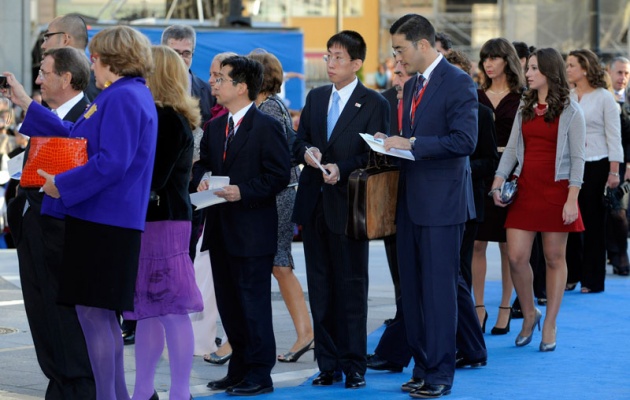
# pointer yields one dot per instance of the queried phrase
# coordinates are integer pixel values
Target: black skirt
(100, 264)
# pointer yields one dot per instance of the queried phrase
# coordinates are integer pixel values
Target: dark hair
(415, 28)
(459, 58)
(179, 32)
(502, 48)
(69, 59)
(351, 41)
(552, 66)
(445, 40)
(272, 72)
(247, 71)
(74, 25)
(521, 49)
(590, 63)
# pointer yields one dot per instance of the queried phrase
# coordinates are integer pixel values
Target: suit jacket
(485, 159)
(391, 97)
(201, 90)
(365, 112)
(438, 183)
(258, 162)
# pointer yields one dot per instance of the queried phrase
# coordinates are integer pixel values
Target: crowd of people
(118, 236)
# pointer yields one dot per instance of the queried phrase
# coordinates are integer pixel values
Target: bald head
(66, 31)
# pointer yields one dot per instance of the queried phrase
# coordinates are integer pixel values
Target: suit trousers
(57, 336)
(337, 276)
(469, 339)
(586, 251)
(243, 291)
(429, 259)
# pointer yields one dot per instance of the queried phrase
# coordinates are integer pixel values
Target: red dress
(540, 199)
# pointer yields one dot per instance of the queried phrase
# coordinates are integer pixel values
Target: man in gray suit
(336, 265)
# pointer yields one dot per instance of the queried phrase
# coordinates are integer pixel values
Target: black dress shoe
(247, 388)
(154, 396)
(355, 380)
(462, 362)
(412, 384)
(431, 391)
(377, 363)
(129, 338)
(327, 378)
(223, 383)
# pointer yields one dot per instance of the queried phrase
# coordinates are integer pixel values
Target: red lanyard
(415, 102)
(400, 115)
(227, 131)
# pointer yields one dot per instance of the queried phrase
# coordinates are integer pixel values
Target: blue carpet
(592, 360)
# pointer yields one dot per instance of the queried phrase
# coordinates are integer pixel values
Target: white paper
(377, 146)
(14, 165)
(310, 154)
(208, 197)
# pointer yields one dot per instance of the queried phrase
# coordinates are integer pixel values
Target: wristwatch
(412, 141)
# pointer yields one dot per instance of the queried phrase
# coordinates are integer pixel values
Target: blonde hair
(125, 50)
(169, 84)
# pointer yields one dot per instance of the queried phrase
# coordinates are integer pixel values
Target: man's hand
(397, 142)
(49, 187)
(309, 160)
(229, 193)
(334, 177)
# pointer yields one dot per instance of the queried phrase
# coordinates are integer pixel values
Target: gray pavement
(21, 378)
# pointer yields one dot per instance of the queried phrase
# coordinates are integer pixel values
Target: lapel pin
(357, 105)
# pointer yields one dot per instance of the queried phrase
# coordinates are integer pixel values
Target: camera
(3, 83)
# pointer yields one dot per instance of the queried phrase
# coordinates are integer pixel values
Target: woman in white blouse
(586, 252)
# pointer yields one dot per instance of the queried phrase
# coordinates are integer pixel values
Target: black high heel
(293, 356)
(485, 318)
(503, 331)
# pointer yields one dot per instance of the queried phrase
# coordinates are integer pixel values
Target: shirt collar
(427, 72)
(345, 92)
(237, 116)
(65, 108)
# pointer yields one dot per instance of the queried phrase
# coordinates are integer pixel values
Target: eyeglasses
(400, 50)
(184, 54)
(42, 74)
(49, 34)
(335, 60)
(219, 81)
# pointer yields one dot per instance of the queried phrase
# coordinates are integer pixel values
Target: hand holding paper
(377, 145)
(315, 160)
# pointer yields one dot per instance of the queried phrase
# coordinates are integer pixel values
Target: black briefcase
(372, 194)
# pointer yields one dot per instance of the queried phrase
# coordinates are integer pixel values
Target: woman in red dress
(547, 146)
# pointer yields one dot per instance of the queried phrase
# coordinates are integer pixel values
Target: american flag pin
(357, 105)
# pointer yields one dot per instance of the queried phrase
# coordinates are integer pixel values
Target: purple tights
(150, 334)
(105, 348)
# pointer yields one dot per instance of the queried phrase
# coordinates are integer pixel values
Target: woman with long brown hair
(546, 148)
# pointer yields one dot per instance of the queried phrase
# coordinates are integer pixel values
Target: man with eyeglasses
(57, 336)
(182, 39)
(336, 264)
(434, 201)
(241, 234)
(69, 31)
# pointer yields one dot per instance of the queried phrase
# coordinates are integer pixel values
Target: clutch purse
(508, 191)
(53, 155)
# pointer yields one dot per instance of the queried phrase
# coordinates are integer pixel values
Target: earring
(584, 73)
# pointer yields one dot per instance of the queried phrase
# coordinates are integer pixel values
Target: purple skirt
(166, 277)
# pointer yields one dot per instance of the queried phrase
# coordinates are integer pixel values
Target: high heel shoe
(485, 318)
(525, 340)
(293, 356)
(214, 358)
(570, 286)
(506, 329)
(544, 347)
(154, 396)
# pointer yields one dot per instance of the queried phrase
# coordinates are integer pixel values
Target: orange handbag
(53, 155)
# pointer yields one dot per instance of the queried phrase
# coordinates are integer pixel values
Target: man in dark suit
(182, 39)
(57, 335)
(336, 265)
(392, 352)
(250, 148)
(435, 200)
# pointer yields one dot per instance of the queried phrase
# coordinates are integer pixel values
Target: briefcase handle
(378, 160)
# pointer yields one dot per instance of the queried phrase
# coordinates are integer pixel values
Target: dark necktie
(419, 85)
(229, 137)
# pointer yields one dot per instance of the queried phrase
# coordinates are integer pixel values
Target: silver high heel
(525, 340)
(544, 347)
